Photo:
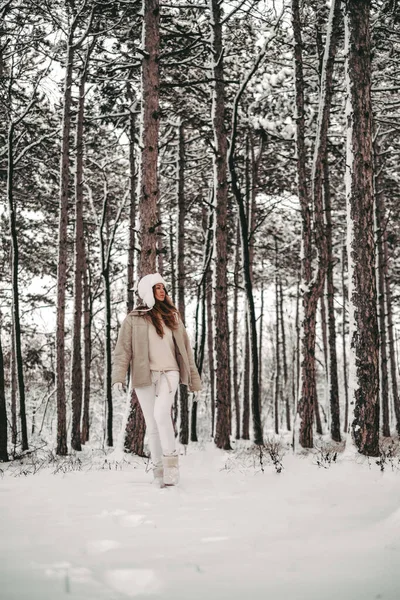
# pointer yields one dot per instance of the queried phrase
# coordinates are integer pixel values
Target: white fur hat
(145, 288)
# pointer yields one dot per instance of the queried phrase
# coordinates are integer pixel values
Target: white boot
(158, 476)
(171, 469)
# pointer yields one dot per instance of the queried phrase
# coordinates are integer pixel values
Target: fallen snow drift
(228, 531)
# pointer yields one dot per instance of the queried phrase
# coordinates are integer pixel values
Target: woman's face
(159, 292)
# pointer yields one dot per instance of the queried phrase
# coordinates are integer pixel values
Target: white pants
(156, 402)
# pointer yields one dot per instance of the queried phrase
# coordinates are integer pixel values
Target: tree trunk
(172, 258)
(345, 379)
(13, 387)
(297, 348)
(246, 381)
(175, 408)
(246, 391)
(324, 334)
(3, 412)
(261, 337)
(135, 428)
(201, 305)
(245, 221)
(330, 289)
(380, 225)
(307, 400)
(210, 346)
(364, 336)
(87, 344)
(313, 287)
(318, 422)
(277, 345)
(108, 359)
(199, 350)
(235, 336)
(183, 393)
(392, 353)
(62, 258)
(79, 268)
(284, 356)
(130, 300)
(320, 185)
(148, 189)
(160, 243)
(148, 176)
(223, 391)
(15, 287)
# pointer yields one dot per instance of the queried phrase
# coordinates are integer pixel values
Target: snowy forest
(248, 154)
(248, 151)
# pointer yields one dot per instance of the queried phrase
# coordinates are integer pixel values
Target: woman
(154, 342)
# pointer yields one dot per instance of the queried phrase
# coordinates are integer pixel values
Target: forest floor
(326, 527)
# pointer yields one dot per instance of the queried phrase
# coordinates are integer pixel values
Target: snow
(229, 530)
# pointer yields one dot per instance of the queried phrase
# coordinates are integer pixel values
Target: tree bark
(87, 344)
(278, 383)
(201, 306)
(148, 175)
(236, 398)
(175, 408)
(297, 348)
(261, 337)
(13, 386)
(63, 256)
(284, 356)
(135, 428)
(172, 258)
(324, 334)
(79, 268)
(392, 352)
(15, 287)
(183, 393)
(345, 377)
(223, 391)
(364, 336)
(210, 346)
(330, 292)
(318, 421)
(148, 194)
(130, 301)
(108, 359)
(313, 286)
(380, 220)
(307, 399)
(245, 221)
(246, 381)
(320, 184)
(3, 411)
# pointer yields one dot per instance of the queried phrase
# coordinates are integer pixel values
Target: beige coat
(133, 349)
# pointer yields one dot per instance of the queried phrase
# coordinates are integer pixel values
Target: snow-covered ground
(229, 531)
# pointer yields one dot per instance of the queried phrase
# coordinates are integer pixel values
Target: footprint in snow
(133, 520)
(100, 546)
(133, 582)
(64, 570)
(124, 518)
(118, 512)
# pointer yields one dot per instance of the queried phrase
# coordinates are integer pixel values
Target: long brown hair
(162, 312)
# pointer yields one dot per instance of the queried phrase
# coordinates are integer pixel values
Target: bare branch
(33, 145)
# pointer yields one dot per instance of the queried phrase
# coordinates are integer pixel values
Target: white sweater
(162, 350)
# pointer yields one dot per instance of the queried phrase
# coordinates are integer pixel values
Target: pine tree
(364, 342)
